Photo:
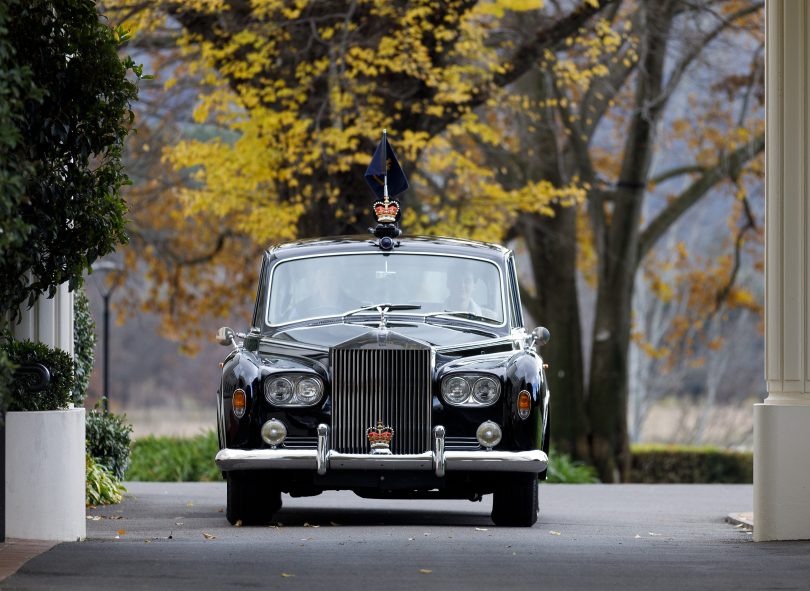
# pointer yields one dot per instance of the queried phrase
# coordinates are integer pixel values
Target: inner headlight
(456, 390)
(486, 390)
(278, 390)
(309, 390)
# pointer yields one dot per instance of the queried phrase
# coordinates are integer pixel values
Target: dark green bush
(654, 464)
(108, 441)
(175, 459)
(57, 394)
(84, 342)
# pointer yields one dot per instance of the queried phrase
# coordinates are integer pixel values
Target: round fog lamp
(488, 434)
(274, 432)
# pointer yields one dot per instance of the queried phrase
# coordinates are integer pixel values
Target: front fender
(525, 372)
(241, 369)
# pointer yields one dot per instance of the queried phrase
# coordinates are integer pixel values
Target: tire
(251, 499)
(514, 502)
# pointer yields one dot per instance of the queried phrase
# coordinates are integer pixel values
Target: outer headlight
(278, 390)
(486, 390)
(456, 390)
(309, 390)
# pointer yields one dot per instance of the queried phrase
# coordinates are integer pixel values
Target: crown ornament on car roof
(386, 178)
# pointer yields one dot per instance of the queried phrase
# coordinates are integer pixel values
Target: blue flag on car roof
(385, 161)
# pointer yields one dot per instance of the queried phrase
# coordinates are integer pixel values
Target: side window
(514, 300)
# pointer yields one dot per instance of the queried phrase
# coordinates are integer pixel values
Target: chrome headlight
(456, 390)
(278, 391)
(293, 390)
(470, 390)
(486, 390)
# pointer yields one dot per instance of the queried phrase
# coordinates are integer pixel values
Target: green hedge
(174, 459)
(667, 464)
(57, 394)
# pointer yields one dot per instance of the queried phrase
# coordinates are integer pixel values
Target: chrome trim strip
(323, 448)
(438, 450)
(294, 345)
(475, 344)
(306, 459)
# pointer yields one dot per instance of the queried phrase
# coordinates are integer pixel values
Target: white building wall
(782, 421)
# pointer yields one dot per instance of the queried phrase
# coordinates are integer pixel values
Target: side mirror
(225, 336)
(541, 335)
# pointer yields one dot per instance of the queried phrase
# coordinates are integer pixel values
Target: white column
(782, 422)
(49, 320)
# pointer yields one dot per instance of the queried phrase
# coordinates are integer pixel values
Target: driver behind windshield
(460, 284)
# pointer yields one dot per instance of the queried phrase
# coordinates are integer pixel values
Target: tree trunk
(551, 242)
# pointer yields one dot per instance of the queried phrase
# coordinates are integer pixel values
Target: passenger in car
(460, 285)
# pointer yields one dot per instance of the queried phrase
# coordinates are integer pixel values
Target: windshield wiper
(462, 314)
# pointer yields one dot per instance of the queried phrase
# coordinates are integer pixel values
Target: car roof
(403, 244)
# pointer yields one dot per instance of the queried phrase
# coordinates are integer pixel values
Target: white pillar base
(45, 475)
(781, 472)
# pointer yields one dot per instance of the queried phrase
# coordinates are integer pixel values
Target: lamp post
(105, 267)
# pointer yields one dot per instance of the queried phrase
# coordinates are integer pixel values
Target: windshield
(332, 285)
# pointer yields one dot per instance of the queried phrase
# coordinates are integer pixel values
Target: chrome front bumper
(438, 460)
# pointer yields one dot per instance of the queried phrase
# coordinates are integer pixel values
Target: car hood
(334, 334)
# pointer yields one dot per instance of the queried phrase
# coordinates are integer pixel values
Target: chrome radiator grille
(392, 386)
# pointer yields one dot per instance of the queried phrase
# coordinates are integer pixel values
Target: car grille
(371, 385)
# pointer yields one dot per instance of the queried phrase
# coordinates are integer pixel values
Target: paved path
(174, 536)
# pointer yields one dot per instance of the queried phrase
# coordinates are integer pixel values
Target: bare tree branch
(727, 166)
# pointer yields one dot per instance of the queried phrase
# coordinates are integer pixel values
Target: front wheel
(514, 502)
(252, 499)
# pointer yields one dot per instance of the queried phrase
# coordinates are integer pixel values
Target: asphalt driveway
(174, 536)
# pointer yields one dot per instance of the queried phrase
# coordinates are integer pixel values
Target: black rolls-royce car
(395, 368)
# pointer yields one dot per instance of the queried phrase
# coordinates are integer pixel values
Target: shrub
(101, 487)
(175, 459)
(563, 470)
(108, 441)
(684, 464)
(57, 394)
(84, 342)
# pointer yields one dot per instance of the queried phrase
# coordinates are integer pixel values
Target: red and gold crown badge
(379, 438)
(386, 211)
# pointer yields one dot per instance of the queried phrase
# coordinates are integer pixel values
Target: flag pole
(385, 165)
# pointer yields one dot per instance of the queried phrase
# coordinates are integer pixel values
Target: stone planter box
(45, 475)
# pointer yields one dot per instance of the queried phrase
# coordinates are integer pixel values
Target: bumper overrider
(438, 460)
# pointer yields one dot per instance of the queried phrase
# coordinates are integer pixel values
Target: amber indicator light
(239, 399)
(524, 401)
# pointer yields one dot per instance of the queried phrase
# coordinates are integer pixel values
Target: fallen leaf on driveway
(287, 575)
(121, 532)
(189, 504)
(208, 536)
(238, 523)
(653, 534)
(94, 517)
(425, 571)
(555, 533)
